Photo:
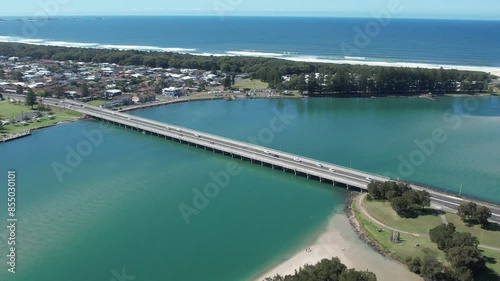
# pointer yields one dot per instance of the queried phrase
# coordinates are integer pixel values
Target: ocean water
(423, 42)
(119, 208)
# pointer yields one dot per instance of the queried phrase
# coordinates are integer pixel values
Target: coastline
(495, 70)
(341, 239)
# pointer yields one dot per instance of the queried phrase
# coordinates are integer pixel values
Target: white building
(113, 93)
(171, 91)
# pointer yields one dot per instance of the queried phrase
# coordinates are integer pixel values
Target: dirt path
(443, 218)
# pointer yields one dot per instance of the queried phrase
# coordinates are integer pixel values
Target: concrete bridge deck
(310, 168)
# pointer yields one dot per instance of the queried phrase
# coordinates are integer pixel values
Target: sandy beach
(340, 240)
(487, 69)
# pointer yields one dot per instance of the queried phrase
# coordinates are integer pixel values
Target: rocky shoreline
(351, 217)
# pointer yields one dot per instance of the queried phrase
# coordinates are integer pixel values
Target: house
(113, 93)
(171, 92)
(125, 100)
(71, 94)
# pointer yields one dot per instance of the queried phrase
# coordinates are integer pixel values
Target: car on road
(332, 170)
(276, 156)
(267, 152)
(129, 118)
(178, 130)
(319, 165)
(368, 178)
(168, 128)
(69, 106)
(196, 135)
(297, 159)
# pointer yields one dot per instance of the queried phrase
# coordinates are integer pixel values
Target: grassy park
(97, 102)
(383, 212)
(253, 84)
(8, 110)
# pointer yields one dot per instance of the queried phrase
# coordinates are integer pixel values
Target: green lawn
(407, 248)
(383, 212)
(253, 84)
(493, 259)
(489, 237)
(9, 110)
(97, 102)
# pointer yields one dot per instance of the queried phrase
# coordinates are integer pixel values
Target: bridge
(287, 162)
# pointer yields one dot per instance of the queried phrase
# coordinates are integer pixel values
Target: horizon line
(250, 16)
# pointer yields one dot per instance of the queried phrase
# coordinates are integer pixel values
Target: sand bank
(488, 69)
(340, 240)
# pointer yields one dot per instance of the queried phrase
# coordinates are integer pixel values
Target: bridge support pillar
(307, 175)
(272, 166)
(347, 187)
(320, 180)
(295, 172)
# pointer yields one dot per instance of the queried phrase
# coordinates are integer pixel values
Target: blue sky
(458, 9)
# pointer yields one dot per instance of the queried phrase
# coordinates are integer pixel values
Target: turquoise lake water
(119, 208)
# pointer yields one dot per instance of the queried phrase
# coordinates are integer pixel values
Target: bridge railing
(235, 142)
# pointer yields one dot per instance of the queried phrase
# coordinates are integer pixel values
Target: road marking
(444, 201)
(456, 204)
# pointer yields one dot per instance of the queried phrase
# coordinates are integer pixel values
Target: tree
(227, 82)
(432, 269)
(400, 205)
(424, 197)
(467, 210)
(414, 264)
(353, 275)
(30, 98)
(19, 90)
(17, 75)
(85, 90)
(482, 214)
(471, 212)
(58, 92)
(441, 234)
(464, 257)
(326, 269)
(374, 191)
(461, 239)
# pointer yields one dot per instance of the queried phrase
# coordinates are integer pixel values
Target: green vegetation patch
(252, 84)
(490, 235)
(9, 110)
(406, 248)
(382, 211)
(97, 102)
